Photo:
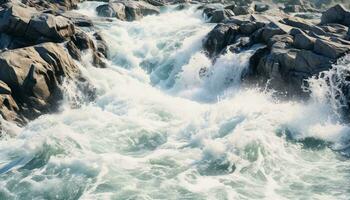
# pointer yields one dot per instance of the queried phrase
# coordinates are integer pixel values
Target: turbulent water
(160, 130)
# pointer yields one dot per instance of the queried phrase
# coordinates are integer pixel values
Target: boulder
(303, 41)
(336, 14)
(243, 10)
(113, 9)
(55, 28)
(53, 5)
(127, 10)
(26, 23)
(303, 25)
(77, 19)
(330, 49)
(261, 7)
(219, 38)
(14, 20)
(34, 75)
(218, 16)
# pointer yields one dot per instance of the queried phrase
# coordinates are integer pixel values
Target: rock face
(33, 59)
(293, 49)
(127, 10)
(337, 14)
(33, 27)
(31, 78)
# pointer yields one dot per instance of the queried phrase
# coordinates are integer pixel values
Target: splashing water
(159, 129)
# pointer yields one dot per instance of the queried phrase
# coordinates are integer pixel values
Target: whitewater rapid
(160, 130)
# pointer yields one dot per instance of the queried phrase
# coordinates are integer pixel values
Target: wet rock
(101, 44)
(330, 49)
(218, 16)
(73, 50)
(274, 28)
(77, 19)
(127, 10)
(303, 41)
(34, 75)
(243, 10)
(24, 22)
(261, 7)
(113, 9)
(82, 40)
(220, 37)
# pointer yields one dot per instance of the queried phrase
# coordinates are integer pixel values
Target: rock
(113, 9)
(77, 19)
(283, 41)
(101, 44)
(83, 41)
(298, 6)
(53, 5)
(32, 27)
(337, 30)
(248, 28)
(9, 109)
(135, 10)
(303, 25)
(336, 14)
(311, 63)
(218, 16)
(330, 49)
(15, 19)
(243, 10)
(219, 38)
(34, 75)
(56, 28)
(73, 51)
(4, 88)
(274, 28)
(127, 10)
(303, 41)
(261, 7)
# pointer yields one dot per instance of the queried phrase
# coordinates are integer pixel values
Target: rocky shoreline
(41, 41)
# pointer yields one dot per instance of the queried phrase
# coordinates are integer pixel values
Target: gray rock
(219, 38)
(243, 10)
(218, 16)
(336, 14)
(127, 10)
(77, 19)
(330, 49)
(15, 19)
(22, 21)
(303, 25)
(261, 7)
(56, 28)
(113, 9)
(303, 41)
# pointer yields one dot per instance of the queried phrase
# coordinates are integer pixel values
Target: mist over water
(160, 129)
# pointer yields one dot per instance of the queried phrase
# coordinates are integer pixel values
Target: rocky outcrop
(127, 10)
(337, 14)
(31, 78)
(35, 38)
(293, 49)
